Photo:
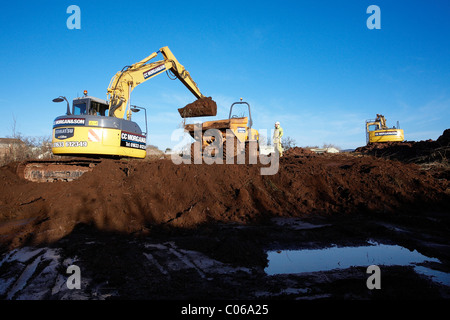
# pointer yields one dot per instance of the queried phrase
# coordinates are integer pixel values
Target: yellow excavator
(378, 131)
(104, 128)
(96, 128)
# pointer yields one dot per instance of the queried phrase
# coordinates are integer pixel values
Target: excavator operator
(278, 133)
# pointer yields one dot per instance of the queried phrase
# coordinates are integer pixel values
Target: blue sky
(312, 65)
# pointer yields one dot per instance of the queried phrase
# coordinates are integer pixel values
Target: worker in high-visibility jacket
(277, 134)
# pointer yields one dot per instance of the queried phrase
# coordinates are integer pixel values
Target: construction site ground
(151, 229)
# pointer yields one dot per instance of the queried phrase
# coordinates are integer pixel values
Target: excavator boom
(181, 73)
(123, 82)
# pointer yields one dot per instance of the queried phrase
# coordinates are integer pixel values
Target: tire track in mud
(27, 273)
(210, 264)
(36, 274)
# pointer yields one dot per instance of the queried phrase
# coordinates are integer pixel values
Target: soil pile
(200, 108)
(411, 151)
(132, 197)
(299, 151)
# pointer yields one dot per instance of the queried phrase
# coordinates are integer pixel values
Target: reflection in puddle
(313, 260)
(437, 276)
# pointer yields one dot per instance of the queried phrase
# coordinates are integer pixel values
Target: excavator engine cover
(202, 107)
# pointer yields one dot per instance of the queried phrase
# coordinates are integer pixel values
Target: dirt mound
(444, 139)
(200, 108)
(297, 151)
(132, 197)
(411, 151)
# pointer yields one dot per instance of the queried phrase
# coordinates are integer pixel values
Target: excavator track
(55, 170)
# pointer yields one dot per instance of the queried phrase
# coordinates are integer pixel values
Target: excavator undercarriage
(55, 170)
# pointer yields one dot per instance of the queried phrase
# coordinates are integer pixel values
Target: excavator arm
(123, 83)
(382, 120)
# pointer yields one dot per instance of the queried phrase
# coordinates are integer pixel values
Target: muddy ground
(154, 230)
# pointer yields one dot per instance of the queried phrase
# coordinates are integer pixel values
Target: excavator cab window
(79, 109)
(98, 109)
(89, 106)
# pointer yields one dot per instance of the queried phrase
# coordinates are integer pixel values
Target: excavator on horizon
(378, 131)
(95, 128)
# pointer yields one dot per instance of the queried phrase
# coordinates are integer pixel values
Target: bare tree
(21, 148)
(330, 145)
(288, 143)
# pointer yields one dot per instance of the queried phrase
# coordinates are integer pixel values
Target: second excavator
(378, 131)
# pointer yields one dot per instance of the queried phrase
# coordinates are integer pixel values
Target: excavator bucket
(202, 107)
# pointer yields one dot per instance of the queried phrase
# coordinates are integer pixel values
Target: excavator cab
(90, 105)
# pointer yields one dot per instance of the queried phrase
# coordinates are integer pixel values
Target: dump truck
(225, 139)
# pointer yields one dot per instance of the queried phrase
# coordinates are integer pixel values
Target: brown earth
(202, 107)
(413, 151)
(120, 210)
(132, 196)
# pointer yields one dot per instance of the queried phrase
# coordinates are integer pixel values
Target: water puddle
(313, 260)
